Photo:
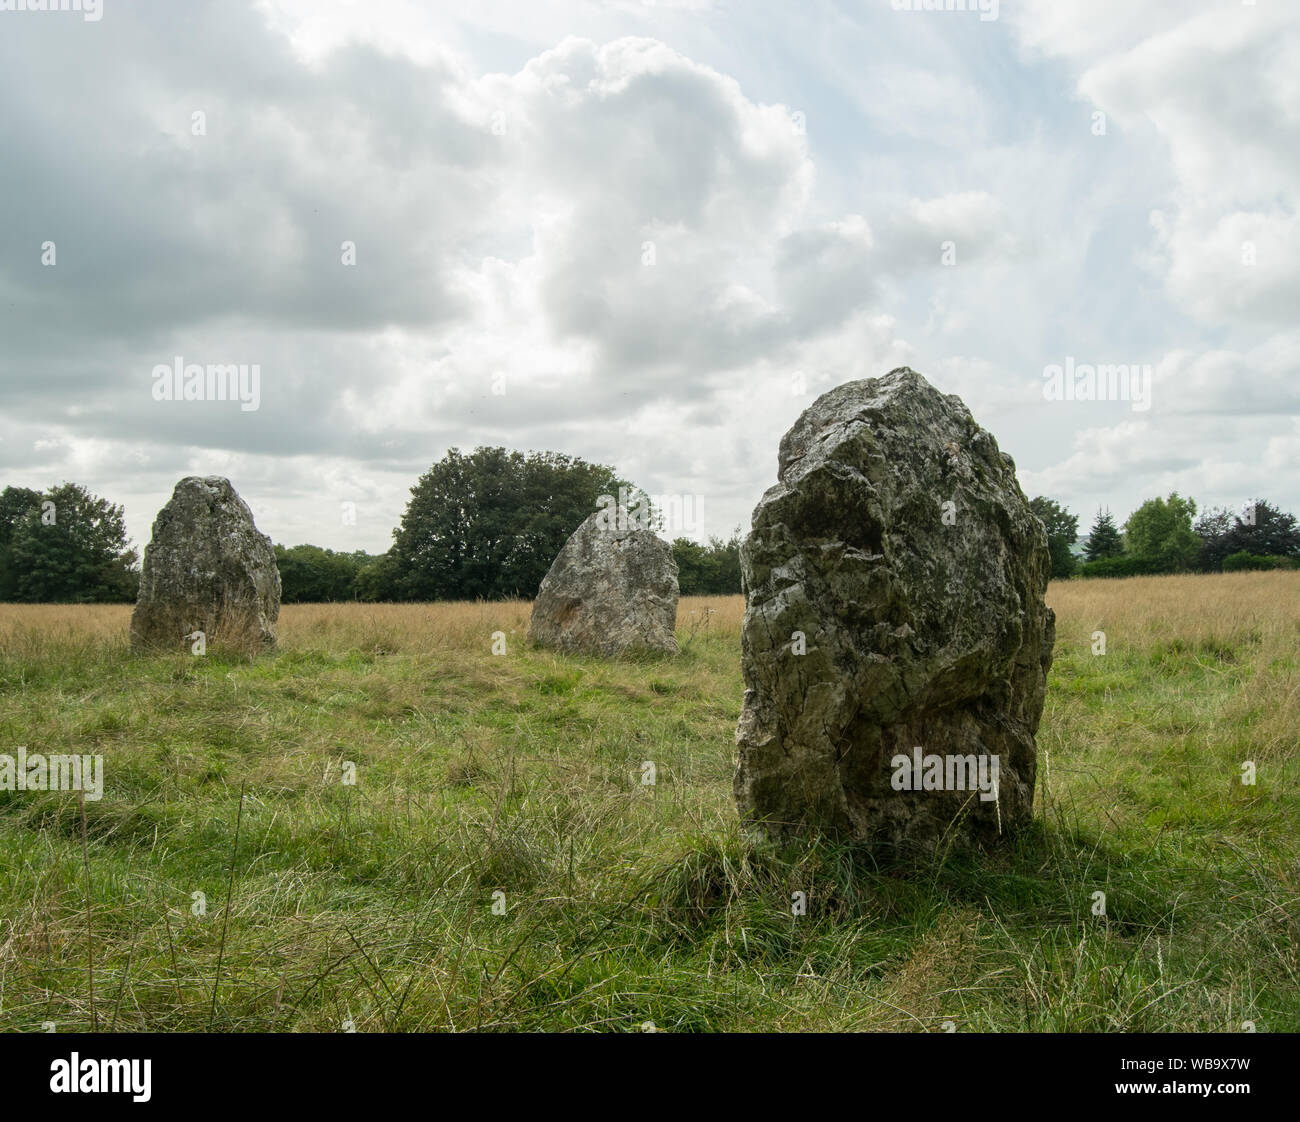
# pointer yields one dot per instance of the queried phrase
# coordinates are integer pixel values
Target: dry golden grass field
(498, 863)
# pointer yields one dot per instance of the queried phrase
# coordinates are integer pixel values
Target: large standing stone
(208, 569)
(610, 591)
(923, 622)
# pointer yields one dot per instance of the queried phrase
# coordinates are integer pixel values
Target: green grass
(626, 905)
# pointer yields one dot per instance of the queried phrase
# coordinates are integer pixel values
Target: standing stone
(897, 552)
(611, 591)
(208, 569)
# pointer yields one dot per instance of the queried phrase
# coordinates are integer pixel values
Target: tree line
(487, 524)
(1165, 535)
(483, 525)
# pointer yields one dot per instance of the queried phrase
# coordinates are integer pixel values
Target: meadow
(385, 826)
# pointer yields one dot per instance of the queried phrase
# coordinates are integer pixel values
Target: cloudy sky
(645, 232)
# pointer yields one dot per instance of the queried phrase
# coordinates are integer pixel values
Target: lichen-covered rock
(610, 591)
(898, 553)
(207, 569)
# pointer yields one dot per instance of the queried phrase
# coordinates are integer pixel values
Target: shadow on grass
(1042, 878)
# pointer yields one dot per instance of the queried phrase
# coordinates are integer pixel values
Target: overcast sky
(657, 230)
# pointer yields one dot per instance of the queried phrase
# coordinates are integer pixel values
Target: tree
(489, 524)
(1266, 531)
(1260, 530)
(312, 575)
(1212, 529)
(708, 570)
(1104, 538)
(377, 580)
(1062, 528)
(72, 548)
(15, 503)
(1160, 532)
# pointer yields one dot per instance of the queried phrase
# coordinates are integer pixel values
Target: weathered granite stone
(208, 569)
(610, 591)
(924, 625)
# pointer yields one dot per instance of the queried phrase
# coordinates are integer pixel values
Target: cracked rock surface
(609, 592)
(924, 623)
(207, 568)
